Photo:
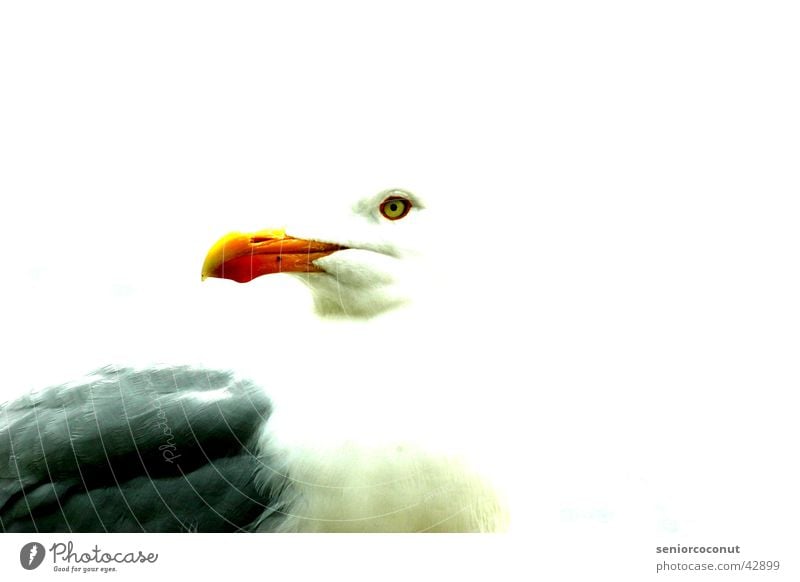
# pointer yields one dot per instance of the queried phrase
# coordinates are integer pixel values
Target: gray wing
(168, 449)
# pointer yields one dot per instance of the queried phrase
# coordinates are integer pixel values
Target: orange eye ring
(395, 207)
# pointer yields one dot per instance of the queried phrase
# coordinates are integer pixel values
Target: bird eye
(395, 207)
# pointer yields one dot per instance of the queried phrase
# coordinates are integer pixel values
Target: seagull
(197, 449)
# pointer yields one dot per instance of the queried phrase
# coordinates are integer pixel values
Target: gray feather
(167, 449)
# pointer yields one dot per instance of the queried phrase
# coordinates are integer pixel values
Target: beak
(244, 256)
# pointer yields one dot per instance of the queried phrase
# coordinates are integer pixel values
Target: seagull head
(359, 265)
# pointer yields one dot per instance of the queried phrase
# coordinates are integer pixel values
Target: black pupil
(393, 206)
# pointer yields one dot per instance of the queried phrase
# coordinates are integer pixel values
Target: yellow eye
(395, 207)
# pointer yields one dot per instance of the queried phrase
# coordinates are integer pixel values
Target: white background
(618, 184)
